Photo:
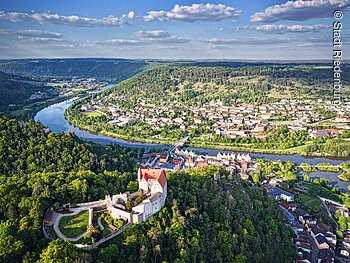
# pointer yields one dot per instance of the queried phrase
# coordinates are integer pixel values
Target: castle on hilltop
(148, 200)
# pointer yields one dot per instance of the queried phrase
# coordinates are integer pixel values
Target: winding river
(53, 118)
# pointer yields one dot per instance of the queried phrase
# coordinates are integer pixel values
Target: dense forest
(250, 84)
(39, 169)
(16, 90)
(207, 221)
(203, 220)
(113, 70)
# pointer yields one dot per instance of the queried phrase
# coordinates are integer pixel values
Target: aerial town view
(175, 131)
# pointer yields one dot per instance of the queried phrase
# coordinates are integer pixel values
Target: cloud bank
(246, 41)
(300, 10)
(282, 29)
(146, 37)
(72, 20)
(196, 12)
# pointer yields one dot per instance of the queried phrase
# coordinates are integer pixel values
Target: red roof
(332, 130)
(284, 206)
(154, 174)
(201, 165)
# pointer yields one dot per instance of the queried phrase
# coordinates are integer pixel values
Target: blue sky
(249, 29)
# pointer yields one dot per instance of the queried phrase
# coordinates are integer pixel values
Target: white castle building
(152, 187)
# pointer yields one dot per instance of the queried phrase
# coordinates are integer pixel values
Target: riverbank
(196, 144)
(53, 118)
(31, 109)
(121, 136)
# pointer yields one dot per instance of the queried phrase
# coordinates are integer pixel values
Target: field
(91, 113)
(73, 226)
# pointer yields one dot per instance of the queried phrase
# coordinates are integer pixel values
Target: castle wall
(143, 185)
(120, 214)
(156, 188)
(148, 209)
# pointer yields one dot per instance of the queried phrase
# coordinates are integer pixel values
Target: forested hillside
(207, 221)
(250, 84)
(16, 90)
(113, 70)
(39, 169)
(203, 220)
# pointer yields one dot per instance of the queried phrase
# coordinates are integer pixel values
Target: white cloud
(300, 10)
(40, 39)
(142, 41)
(71, 20)
(246, 41)
(152, 34)
(195, 12)
(312, 44)
(38, 33)
(119, 41)
(131, 15)
(4, 31)
(281, 29)
(171, 39)
(146, 37)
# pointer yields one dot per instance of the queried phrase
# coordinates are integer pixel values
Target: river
(53, 118)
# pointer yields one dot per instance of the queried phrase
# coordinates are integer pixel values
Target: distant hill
(113, 70)
(252, 84)
(16, 90)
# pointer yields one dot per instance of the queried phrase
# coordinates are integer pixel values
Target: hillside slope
(102, 69)
(16, 90)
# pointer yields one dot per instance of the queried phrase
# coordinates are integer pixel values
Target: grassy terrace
(312, 205)
(73, 226)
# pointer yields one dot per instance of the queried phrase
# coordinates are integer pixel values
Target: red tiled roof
(154, 174)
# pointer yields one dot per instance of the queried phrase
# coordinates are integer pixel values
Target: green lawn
(73, 226)
(308, 201)
(92, 114)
